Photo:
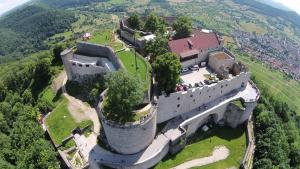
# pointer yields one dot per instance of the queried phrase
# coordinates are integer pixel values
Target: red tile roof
(199, 41)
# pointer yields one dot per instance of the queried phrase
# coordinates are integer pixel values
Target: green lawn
(203, 145)
(105, 38)
(128, 59)
(60, 123)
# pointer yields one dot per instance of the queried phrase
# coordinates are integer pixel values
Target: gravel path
(219, 153)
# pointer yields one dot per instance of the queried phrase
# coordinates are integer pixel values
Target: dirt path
(79, 110)
(219, 153)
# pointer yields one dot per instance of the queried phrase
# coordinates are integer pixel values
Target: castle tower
(66, 56)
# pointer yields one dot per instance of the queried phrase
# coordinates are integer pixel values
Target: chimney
(190, 43)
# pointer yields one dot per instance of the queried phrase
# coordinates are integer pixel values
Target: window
(178, 98)
(74, 64)
(178, 105)
(87, 65)
(194, 100)
(200, 93)
(207, 91)
(80, 65)
(226, 85)
(191, 95)
(221, 86)
(221, 91)
(209, 96)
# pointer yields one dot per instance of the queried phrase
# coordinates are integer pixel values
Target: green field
(106, 38)
(278, 84)
(60, 123)
(203, 145)
(128, 59)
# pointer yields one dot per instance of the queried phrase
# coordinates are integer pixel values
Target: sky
(6, 5)
(292, 4)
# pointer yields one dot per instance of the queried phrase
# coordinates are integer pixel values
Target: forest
(276, 133)
(23, 32)
(22, 139)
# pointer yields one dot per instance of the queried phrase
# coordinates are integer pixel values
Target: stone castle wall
(100, 51)
(130, 138)
(88, 50)
(181, 102)
(192, 124)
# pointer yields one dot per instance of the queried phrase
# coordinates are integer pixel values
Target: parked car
(208, 82)
(194, 67)
(183, 70)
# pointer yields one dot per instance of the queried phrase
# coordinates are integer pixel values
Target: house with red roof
(195, 49)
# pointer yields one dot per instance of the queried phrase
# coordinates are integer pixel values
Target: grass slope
(280, 85)
(106, 38)
(60, 123)
(203, 145)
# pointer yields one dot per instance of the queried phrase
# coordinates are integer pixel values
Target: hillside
(22, 32)
(274, 4)
(29, 34)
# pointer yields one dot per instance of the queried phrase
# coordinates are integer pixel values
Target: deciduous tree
(156, 47)
(167, 71)
(123, 94)
(183, 27)
(134, 21)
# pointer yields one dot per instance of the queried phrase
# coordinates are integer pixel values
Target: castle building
(219, 91)
(193, 50)
(88, 60)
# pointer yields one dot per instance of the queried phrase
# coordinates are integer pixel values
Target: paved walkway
(219, 153)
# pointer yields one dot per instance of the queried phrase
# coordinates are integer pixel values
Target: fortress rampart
(182, 102)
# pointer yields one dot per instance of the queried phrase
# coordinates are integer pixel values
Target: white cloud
(6, 5)
(292, 4)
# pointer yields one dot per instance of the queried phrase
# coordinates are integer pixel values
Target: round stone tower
(131, 137)
(66, 57)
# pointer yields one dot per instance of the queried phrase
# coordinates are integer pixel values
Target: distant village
(279, 53)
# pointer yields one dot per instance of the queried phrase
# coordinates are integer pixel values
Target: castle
(217, 89)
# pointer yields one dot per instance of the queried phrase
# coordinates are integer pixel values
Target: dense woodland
(22, 140)
(276, 133)
(23, 32)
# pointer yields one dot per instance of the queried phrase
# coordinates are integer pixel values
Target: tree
(123, 94)
(134, 21)
(56, 54)
(155, 24)
(2, 91)
(39, 155)
(167, 71)
(156, 47)
(27, 97)
(183, 27)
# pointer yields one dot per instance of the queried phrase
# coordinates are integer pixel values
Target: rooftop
(198, 42)
(221, 55)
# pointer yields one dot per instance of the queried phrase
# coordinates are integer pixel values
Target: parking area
(196, 76)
